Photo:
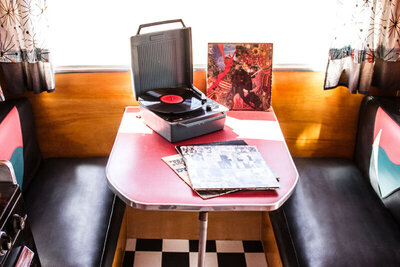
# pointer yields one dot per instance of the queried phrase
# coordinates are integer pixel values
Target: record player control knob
(5, 243)
(18, 222)
(208, 107)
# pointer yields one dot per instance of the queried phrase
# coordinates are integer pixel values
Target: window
(97, 32)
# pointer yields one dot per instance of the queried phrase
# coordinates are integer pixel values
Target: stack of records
(220, 168)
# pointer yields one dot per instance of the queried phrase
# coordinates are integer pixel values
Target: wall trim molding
(126, 68)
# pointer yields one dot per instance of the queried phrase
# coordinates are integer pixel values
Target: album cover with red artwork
(239, 75)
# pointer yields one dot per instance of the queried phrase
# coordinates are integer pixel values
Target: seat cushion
(334, 218)
(70, 208)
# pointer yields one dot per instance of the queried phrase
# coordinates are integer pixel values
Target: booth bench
(74, 217)
(347, 212)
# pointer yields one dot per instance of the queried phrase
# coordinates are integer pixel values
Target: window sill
(125, 68)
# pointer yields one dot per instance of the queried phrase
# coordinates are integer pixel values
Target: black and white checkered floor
(183, 253)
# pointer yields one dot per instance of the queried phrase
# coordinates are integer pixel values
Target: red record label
(171, 99)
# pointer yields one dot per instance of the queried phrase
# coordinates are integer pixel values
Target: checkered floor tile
(183, 253)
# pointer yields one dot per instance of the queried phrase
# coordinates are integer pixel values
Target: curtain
(366, 46)
(24, 54)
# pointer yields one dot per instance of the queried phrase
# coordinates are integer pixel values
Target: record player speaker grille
(157, 61)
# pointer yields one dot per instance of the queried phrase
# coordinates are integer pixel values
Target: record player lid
(161, 59)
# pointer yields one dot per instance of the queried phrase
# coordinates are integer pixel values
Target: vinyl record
(170, 100)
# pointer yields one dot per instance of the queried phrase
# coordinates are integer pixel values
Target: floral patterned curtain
(24, 55)
(366, 47)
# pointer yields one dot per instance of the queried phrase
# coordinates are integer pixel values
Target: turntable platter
(170, 100)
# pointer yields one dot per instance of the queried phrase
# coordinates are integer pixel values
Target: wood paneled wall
(82, 116)
(315, 123)
(239, 225)
(121, 243)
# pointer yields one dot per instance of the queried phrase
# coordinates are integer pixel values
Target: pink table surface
(136, 173)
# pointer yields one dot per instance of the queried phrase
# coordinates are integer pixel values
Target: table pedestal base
(203, 218)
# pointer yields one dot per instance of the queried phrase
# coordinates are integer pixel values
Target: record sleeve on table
(223, 143)
(177, 164)
(228, 167)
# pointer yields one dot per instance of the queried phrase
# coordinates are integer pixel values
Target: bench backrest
(23, 151)
(377, 152)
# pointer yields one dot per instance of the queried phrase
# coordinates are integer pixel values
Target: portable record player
(162, 72)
